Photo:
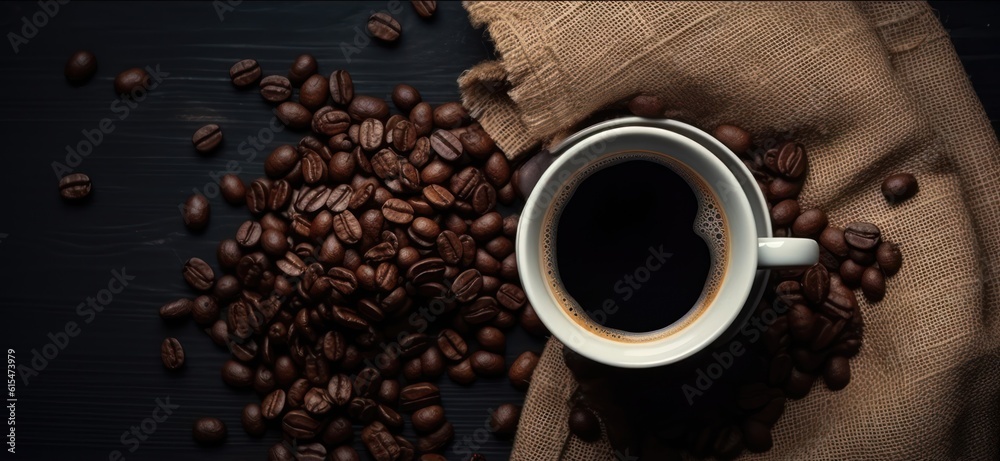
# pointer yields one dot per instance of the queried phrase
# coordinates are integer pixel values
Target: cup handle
(786, 252)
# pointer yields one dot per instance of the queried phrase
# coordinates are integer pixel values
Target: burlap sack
(870, 89)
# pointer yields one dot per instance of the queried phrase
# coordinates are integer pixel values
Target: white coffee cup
(750, 251)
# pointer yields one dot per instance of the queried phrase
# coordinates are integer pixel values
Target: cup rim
(711, 322)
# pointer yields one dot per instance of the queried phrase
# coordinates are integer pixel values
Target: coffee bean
(781, 189)
(503, 420)
(864, 258)
(371, 134)
(816, 283)
(450, 115)
(735, 138)
(198, 274)
(789, 161)
(417, 396)
(384, 27)
(428, 419)
(801, 322)
(467, 285)
(209, 431)
(397, 211)
(344, 453)
(281, 161)
(177, 310)
(532, 323)
(233, 190)
(487, 363)
(130, 82)
(273, 404)
(783, 214)
(299, 425)
(294, 116)
(477, 143)
(497, 169)
(446, 145)
(484, 198)
(832, 238)
(380, 443)
(899, 187)
(404, 139)
(275, 89)
(75, 186)
(862, 235)
(584, 424)
(647, 105)
(521, 370)
(873, 284)
(424, 8)
(405, 97)
(172, 354)
(245, 73)
(207, 138)
(422, 117)
(837, 373)
(363, 107)
(302, 68)
(237, 374)
(486, 227)
(511, 296)
(436, 440)
(452, 345)
(330, 121)
(248, 235)
(809, 223)
(341, 87)
(314, 92)
(253, 420)
(462, 372)
(889, 258)
(80, 67)
(436, 172)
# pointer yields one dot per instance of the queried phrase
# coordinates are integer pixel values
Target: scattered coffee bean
(253, 420)
(405, 97)
(275, 89)
(584, 424)
(889, 258)
(873, 284)
(172, 354)
(503, 420)
(522, 369)
(245, 74)
(424, 8)
(899, 187)
(75, 186)
(294, 115)
(314, 92)
(647, 105)
(809, 223)
(209, 431)
(384, 27)
(207, 138)
(862, 235)
(735, 138)
(302, 68)
(130, 82)
(80, 67)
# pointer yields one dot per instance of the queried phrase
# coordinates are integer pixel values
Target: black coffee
(627, 250)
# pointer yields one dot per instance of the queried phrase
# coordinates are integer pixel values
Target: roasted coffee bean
(511, 296)
(467, 285)
(521, 370)
(316, 401)
(274, 243)
(207, 138)
(198, 274)
(273, 404)
(281, 161)
(132, 82)
(417, 396)
(781, 189)
(253, 420)
(462, 372)
(299, 425)
(302, 68)
(248, 235)
(346, 227)
(801, 322)
(414, 344)
(647, 105)
(363, 409)
(484, 198)
(344, 453)
(405, 97)
(209, 431)
(789, 160)
(503, 420)
(172, 354)
(404, 139)
(862, 235)
(837, 373)
(297, 392)
(341, 167)
(784, 213)
(531, 323)
(330, 121)
(196, 208)
(809, 223)
(500, 247)
(873, 284)
(384, 27)
(851, 272)
(314, 92)
(295, 116)
(237, 374)
(233, 190)
(832, 239)
(397, 211)
(371, 134)
(452, 345)
(424, 8)
(81, 66)
(816, 283)
(177, 310)
(437, 440)
(733, 137)
(313, 168)
(245, 74)
(584, 424)
(275, 89)
(889, 258)
(204, 310)
(491, 339)
(450, 115)
(446, 145)
(864, 258)
(506, 195)
(380, 443)
(477, 143)
(341, 87)
(899, 187)
(486, 263)
(422, 117)
(486, 227)
(436, 172)
(428, 419)
(363, 107)
(487, 363)
(497, 169)
(480, 311)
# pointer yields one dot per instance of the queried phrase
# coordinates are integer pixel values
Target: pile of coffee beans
(806, 328)
(375, 262)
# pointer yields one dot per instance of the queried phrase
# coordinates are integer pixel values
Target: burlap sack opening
(871, 89)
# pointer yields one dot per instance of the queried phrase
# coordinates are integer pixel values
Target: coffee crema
(634, 246)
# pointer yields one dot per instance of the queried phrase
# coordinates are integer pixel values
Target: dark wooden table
(84, 400)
